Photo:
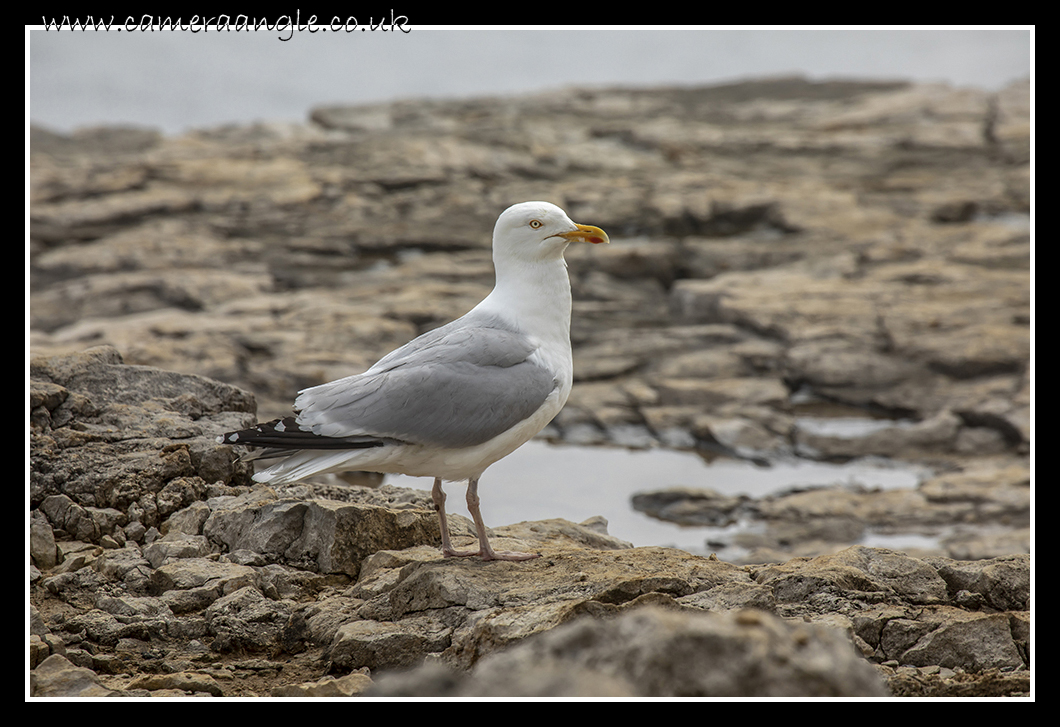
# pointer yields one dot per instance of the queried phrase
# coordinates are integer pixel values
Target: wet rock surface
(829, 271)
(982, 511)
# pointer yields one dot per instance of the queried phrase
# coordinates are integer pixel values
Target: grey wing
(457, 386)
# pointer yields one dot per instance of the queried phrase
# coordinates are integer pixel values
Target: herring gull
(455, 400)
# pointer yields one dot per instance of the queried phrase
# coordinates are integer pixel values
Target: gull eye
(536, 223)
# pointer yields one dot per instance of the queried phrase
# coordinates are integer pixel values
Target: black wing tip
(285, 434)
(274, 428)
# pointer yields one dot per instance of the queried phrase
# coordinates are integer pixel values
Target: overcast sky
(177, 80)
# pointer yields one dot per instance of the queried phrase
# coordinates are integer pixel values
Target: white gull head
(538, 231)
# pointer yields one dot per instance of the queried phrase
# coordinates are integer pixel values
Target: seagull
(455, 400)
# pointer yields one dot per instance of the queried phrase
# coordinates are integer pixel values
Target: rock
(653, 652)
(177, 545)
(857, 569)
(57, 677)
(826, 519)
(188, 521)
(938, 433)
(328, 536)
(350, 685)
(410, 604)
(190, 584)
(42, 541)
(991, 683)
(384, 645)
(948, 638)
(182, 681)
(127, 566)
(138, 437)
(718, 392)
(67, 515)
(693, 507)
(1002, 582)
(245, 620)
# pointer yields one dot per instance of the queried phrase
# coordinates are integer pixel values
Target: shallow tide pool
(540, 481)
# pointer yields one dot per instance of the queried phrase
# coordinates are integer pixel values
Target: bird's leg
(438, 495)
(487, 552)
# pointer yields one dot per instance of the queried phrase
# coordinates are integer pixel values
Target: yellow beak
(585, 233)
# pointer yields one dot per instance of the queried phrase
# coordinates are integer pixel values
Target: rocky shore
(826, 271)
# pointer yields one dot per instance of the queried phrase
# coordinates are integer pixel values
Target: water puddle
(849, 427)
(901, 541)
(540, 481)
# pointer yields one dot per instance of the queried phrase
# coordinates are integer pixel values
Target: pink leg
(485, 550)
(438, 495)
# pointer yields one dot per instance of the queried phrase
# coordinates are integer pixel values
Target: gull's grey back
(456, 386)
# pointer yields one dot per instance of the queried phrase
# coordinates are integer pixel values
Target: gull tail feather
(301, 465)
